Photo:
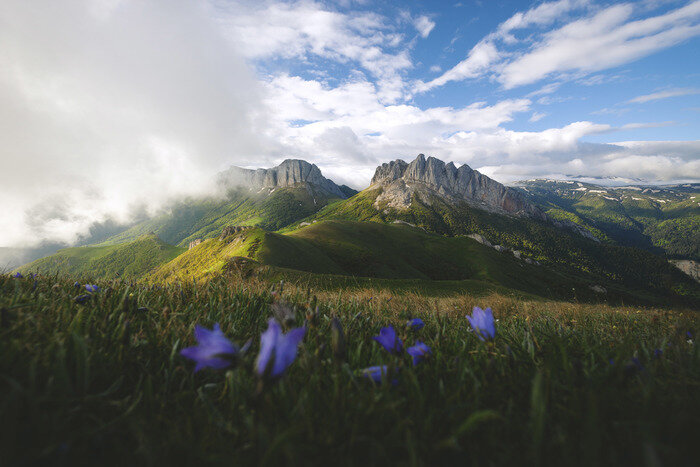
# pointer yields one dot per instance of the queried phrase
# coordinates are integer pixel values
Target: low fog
(109, 109)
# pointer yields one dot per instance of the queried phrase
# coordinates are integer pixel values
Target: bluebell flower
(416, 324)
(92, 288)
(658, 353)
(419, 352)
(388, 339)
(380, 373)
(82, 298)
(483, 323)
(211, 346)
(76, 285)
(18, 275)
(375, 373)
(277, 350)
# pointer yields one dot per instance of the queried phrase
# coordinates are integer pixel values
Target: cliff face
(289, 173)
(424, 177)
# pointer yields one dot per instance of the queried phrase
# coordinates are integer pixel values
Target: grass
(129, 260)
(104, 383)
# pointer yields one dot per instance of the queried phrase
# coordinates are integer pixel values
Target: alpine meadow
(338, 232)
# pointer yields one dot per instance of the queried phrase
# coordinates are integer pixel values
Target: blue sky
(563, 79)
(116, 107)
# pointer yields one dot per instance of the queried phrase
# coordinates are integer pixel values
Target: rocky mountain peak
(426, 177)
(290, 172)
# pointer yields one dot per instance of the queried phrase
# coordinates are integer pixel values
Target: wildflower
(211, 346)
(92, 288)
(76, 285)
(416, 324)
(419, 352)
(658, 353)
(277, 350)
(482, 322)
(18, 275)
(377, 374)
(387, 338)
(82, 298)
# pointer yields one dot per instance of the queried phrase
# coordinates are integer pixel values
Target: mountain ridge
(401, 181)
(289, 173)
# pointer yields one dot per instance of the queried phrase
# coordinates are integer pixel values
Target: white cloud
(677, 92)
(424, 25)
(301, 29)
(537, 116)
(485, 54)
(105, 109)
(480, 58)
(605, 40)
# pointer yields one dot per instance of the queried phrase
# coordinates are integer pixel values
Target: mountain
(129, 260)
(425, 179)
(662, 219)
(268, 198)
(290, 173)
(419, 221)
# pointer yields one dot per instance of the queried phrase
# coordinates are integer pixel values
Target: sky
(113, 108)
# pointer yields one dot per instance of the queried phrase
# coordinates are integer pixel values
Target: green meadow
(562, 383)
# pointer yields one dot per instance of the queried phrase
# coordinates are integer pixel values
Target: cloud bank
(110, 106)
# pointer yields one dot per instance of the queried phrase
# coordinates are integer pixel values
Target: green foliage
(130, 260)
(192, 219)
(332, 249)
(103, 383)
(664, 220)
(565, 252)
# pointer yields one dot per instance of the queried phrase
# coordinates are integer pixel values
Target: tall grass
(104, 381)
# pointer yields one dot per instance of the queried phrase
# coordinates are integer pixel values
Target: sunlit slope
(205, 218)
(560, 248)
(376, 250)
(131, 260)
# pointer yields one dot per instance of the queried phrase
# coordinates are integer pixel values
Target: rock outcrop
(291, 172)
(428, 177)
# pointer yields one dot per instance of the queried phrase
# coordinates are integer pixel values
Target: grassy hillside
(561, 384)
(205, 218)
(397, 252)
(665, 220)
(129, 260)
(562, 249)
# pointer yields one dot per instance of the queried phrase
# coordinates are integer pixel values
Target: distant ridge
(402, 181)
(289, 173)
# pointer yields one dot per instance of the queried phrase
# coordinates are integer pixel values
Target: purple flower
(387, 338)
(658, 353)
(76, 285)
(277, 350)
(18, 275)
(82, 298)
(375, 373)
(211, 345)
(379, 373)
(92, 288)
(416, 324)
(419, 352)
(483, 323)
